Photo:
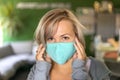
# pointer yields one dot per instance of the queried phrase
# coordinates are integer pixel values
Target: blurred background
(19, 19)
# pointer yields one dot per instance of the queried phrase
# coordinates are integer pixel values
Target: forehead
(64, 26)
(60, 27)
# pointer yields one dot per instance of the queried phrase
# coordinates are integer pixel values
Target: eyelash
(50, 39)
(63, 38)
(66, 38)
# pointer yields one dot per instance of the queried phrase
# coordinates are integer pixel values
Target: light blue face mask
(60, 52)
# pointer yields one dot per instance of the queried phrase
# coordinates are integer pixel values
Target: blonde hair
(48, 21)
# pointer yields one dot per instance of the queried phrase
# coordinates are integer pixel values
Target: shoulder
(41, 65)
(98, 68)
(97, 63)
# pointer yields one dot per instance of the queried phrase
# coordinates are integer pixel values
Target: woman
(61, 54)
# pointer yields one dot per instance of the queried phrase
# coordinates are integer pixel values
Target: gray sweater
(97, 71)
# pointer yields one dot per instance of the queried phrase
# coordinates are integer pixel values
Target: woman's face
(64, 32)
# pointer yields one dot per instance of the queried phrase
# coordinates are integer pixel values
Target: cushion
(6, 51)
(10, 64)
(22, 47)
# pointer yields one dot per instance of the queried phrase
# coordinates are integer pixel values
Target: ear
(75, 56)
(47, 58)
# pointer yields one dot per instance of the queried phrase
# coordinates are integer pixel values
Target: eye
(50, 39)
(66, 38)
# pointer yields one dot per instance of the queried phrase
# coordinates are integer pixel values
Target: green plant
(9, 20)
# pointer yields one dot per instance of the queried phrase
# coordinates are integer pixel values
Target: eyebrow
(65, 34)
